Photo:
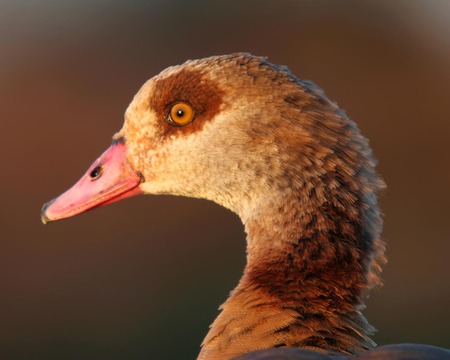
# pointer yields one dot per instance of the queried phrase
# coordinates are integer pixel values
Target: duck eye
(181, 113)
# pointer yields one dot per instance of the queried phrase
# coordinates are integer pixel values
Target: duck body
(387, 352)
(274, 149)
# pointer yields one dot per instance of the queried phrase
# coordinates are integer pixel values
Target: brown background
(143, 278)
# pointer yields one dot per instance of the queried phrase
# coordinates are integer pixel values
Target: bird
(274, 149)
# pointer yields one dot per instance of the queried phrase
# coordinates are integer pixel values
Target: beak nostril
(96, 172)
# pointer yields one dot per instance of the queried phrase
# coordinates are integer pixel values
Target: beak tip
(44, 218)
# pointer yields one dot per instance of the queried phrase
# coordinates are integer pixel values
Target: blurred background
(142, 279)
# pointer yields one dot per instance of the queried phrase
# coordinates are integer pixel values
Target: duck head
(226, 128)
(223, 128)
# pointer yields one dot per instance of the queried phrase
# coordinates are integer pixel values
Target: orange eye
(181, 113)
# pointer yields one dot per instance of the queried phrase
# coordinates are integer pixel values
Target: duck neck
(309, 267)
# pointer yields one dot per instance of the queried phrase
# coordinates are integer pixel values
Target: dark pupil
(96, 172)
(180, 113)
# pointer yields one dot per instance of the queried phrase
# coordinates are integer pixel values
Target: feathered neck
(313, 253)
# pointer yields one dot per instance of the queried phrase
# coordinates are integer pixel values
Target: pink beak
(109, 179)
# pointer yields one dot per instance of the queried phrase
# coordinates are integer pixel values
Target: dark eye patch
(193, 87)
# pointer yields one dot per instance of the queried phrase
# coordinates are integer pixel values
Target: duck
(251, 136)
